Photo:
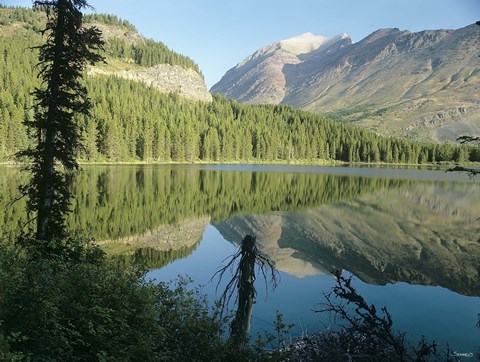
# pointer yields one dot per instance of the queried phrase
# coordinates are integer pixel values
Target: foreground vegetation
(82, 306)
(85, 307)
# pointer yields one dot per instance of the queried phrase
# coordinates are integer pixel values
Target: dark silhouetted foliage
(366, 333)
(91, 308)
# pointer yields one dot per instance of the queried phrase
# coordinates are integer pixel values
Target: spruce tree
(69, 47)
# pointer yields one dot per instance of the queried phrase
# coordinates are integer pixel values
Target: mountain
(144, 108)
(260, 78)
(421, 85)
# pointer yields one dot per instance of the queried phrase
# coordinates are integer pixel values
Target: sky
(218, 34)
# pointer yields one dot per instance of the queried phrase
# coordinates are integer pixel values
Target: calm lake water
(407, 235)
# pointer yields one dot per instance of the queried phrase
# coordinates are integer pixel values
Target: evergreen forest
(133, 122)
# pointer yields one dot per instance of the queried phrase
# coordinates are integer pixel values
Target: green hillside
(131, 121)
(123, 42)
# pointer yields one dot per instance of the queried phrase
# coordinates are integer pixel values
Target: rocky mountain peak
(261, 77)
(382, 33)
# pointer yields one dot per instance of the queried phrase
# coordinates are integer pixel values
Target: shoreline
(273, 162)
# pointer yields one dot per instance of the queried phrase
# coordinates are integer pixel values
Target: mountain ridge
(419, 85)
(166, 76)
(274, 57)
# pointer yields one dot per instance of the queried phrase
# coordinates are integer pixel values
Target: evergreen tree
(68, 48)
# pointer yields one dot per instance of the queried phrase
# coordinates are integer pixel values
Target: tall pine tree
(69, 47)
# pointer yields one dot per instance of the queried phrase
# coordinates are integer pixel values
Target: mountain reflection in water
(422, 234)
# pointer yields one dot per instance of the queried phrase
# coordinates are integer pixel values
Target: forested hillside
(133, 122)
(122, 40)
(132, 48)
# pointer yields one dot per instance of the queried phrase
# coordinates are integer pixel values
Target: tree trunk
(48, 157)
(45, 199)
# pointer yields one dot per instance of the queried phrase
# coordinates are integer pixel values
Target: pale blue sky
(217, 34)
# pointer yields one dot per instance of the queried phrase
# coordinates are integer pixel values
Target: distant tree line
(145, 53)
(148, 53)
(17, 82)
(133, 122)
(32, 19)
(109, 19)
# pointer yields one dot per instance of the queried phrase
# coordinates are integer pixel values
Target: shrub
(86, 307)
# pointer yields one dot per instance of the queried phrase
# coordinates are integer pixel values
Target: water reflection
(407, 228)
(393, 227)
(421, 234)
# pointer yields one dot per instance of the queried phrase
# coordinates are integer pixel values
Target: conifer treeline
(109, 19)
(132, 122)
(31, 19)
(143, 52)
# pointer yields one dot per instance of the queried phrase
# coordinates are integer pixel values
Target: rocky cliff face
(423, 235)
(420, 85)
(166, 78)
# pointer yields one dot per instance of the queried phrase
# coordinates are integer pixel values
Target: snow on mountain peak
(303, 43)
(300, 44)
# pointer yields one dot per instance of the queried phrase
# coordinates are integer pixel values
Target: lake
(407, 235)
